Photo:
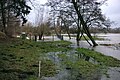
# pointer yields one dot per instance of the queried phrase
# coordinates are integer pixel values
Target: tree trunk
(90, 37)
(35, 37)
(77, 38)
(81, 34)
(83, 23)
(40, 36)
(3, 17)
(68, 34)
(78, 43)
(78, 32)
(87, 40)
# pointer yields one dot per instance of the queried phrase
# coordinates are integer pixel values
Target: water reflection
(67, 73)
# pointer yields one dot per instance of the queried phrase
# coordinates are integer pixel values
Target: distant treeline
(99, 30)
(104, 30)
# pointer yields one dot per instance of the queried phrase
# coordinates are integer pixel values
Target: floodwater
(62, 73)
(113, 40)
(67, 73)
(110, 47)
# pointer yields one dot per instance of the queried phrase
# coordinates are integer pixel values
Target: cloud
(112, 10)
(31, 16)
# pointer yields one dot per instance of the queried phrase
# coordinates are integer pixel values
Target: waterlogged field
(19, 61)
(84, 64)
(19, 58)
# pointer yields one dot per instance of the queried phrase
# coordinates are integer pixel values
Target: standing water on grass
(108, 47)
(67, 68)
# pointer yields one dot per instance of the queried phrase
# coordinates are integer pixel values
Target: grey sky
(110, 9)
(31, 17)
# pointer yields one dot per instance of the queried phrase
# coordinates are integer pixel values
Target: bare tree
(41, 21)
(85, 13)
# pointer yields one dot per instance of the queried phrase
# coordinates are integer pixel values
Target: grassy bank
(79, 68)
(100, 58)
(19, 58)
(87, 64)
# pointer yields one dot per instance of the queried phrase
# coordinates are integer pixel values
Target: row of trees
(32, 30)
(65, 16)
(114, 30)
(80, 14)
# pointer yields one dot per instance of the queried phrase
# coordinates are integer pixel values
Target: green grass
(100, 58)
(80, 68)
(19, 58)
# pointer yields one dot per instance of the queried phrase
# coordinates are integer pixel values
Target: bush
(2, 35)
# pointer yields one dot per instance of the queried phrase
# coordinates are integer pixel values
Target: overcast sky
(31, 16)
(111, 9)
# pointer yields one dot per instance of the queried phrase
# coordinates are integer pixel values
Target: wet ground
(113, 74)
(110, 47)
